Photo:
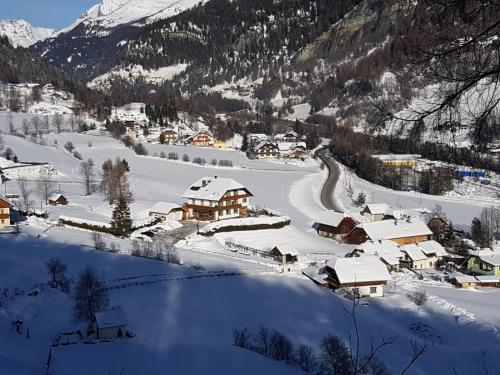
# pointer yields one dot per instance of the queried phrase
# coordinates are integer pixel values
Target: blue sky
(45, 13)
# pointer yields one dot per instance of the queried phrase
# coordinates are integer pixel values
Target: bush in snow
(213, 162)
(99, 243)
(163, 155)
(68, 146)
(174, 156)
(77, 155)
(139, 149)
(199, 161)
(360, 199)
(185, 157)
(420, 298)
(57, 274)
(225, 163)
(90, 295)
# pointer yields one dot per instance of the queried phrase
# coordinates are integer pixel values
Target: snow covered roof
(461, 278)
(265, 143)
(55, 197)
(115, 317)
(490, 257)
(391, 229)
(212, 188)
(314, 274)
(432, 247)
(260, 136)
(359, 270)
(387, 250)
(198, 133)
(2, 198)
(164, 207)
(287, 249)
(377, 209)
(330, 218)
(488, 278)
(414, 252)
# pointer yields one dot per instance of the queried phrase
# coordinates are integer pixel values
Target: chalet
(168, 136)
(5, 207)
(387, 251)
(212, 199)
(485, 262)
(58, 200)
(110, 324)
(201, 138)
(298, 151)
(285, 253)
(414, 258)
(376, 212)
(333, 224)
(400, 231)
(439, 227)
(463, 281)
(362, 276)
(288, 137)
(267, 149)
(167, 210)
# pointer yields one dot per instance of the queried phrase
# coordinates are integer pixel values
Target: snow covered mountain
(22, 33)
(112, 13)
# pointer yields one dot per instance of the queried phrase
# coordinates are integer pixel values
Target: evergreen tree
(244, 143)
(477, 231)
(312, 140)
(121, 223)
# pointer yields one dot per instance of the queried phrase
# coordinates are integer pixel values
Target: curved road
(327, 193)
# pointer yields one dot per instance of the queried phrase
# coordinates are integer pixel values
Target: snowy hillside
(22, 33)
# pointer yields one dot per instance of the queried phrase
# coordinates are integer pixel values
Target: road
(328, 191)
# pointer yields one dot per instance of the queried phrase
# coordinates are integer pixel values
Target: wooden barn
(400, 231)
(58, 200)
(376, 212)
(285, 253)
(333, 224)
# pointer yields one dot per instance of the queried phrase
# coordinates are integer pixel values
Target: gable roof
(359, 269)
(115, 317)
(198, 133)
(55, 197)
(385, 249)
(331, 218)
(490, 257)
(392, 229)
(2, 198)
(432, 247)
(164, 207)
(461, 278)
(414, 252)
(265, 143)
(212, 188)
(286, 249)
(377, 209)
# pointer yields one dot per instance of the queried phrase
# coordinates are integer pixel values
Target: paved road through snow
(328, 191)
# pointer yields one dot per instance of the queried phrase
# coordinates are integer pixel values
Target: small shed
(488, 280)
(285, 253)
(463, 281)
(58, 200)
(167, 210)
(110, 324)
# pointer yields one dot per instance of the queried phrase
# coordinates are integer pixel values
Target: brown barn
(400, 231)
(439, 227)
(285, 253)
(334, 224)
(5, 207)
(58, 200)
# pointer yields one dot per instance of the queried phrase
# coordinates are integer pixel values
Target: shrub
(199, 161)
(174, 156)
(139, 149)
(163, 155)
(77, 155)
(185, 157)
(69, 146)
(420, 298)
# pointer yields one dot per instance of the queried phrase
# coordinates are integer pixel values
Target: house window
(373, 289)
(244, 200)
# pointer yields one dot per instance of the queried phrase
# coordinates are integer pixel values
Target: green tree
(312, 140)
(244, 143)
(121, 223)
(477, 232)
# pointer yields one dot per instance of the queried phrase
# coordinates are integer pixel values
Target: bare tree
(242, 338)
(10, 121)
(57, 270)
(114, 181)
(35, 123)
(26, 127)
(57, 120)
(72, 123)
(45, 185)
(87, 172)
(26, 203)
(90, 296)
(98, 241)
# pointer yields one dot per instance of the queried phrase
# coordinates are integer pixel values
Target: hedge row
(241, 228)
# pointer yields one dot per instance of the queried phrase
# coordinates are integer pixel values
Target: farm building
(266, 150)
(376, 212)
(201, 138)
(400, 231)
(333, 224)
(212, 199)
(285, 253)
(168, 136)
(398, 160)
(5, 207)
(363, 276)
(387, 251)
(110, 324)
(488, 280)
(297, 151)
(58, 200)
(439, 227)
(287, 137)
(463, 281)
(486, 262)
(167, 210)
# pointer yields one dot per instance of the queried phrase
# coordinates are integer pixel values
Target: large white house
(213, 198)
